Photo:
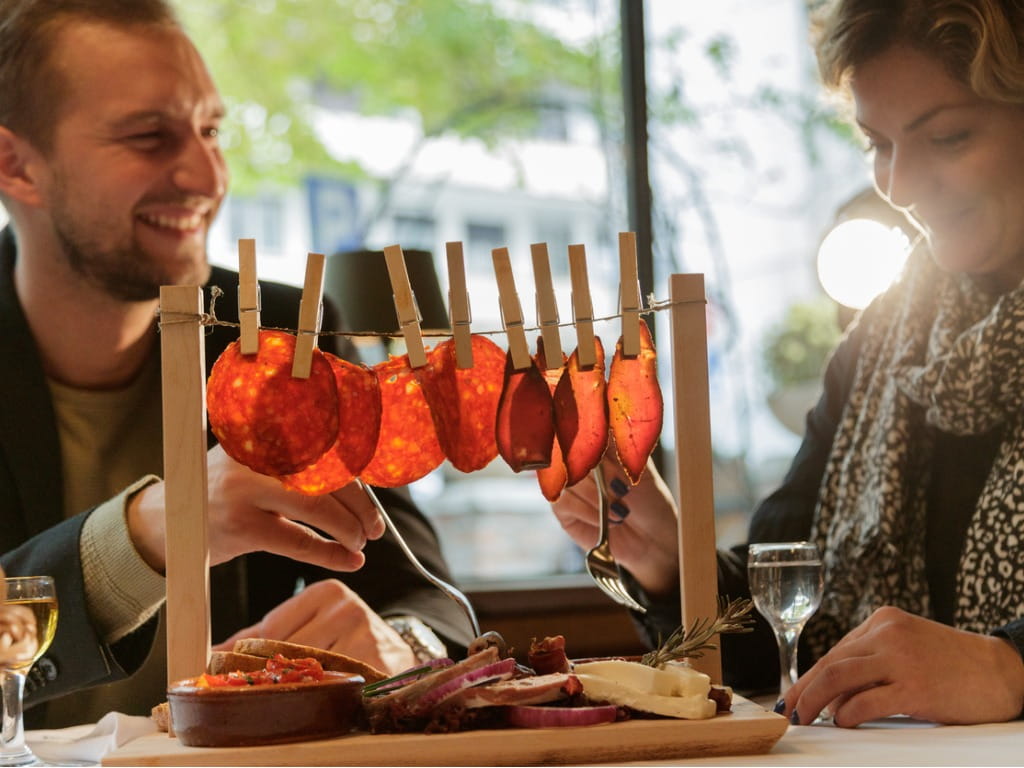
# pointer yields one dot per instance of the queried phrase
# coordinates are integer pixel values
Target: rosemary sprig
(733, 617)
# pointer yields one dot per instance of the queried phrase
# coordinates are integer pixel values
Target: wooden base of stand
(747, 730)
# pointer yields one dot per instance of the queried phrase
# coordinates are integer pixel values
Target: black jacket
(36, 539)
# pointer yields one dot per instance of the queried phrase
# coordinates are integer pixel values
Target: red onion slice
(499, 670)
(560, 717)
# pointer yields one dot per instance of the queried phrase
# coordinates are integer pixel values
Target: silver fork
(600, 564)
(449, 591)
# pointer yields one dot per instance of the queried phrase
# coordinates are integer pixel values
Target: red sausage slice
(525, 427)
(464, 401)
(359, 414)
(635, 405)
(262, 416)
(581, 415)
(551, 478)
(407, 448)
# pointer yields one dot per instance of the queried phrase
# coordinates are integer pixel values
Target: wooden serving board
(747, 730)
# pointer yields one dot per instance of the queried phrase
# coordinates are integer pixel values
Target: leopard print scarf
(939, 353)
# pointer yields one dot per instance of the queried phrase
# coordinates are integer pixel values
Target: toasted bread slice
(161, 715)
(222, 662)
(335, 662)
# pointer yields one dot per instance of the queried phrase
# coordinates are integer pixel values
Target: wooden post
(183, 365)
(698, 570)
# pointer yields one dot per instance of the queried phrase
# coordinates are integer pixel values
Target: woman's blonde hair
(980, 42)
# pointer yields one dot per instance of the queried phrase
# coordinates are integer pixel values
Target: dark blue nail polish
(619, 509)
(795, 718)
(618, 486)
(780, 706)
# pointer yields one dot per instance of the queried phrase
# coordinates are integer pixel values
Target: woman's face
(952, 160)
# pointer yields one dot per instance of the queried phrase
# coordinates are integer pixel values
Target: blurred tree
(463, 67)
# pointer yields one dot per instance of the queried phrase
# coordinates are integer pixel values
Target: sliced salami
(464, 401)
(263, 417)
(525, 427)
(551, 478)
(359, 415)
(581, 414)
(635, 405)
(407, 448)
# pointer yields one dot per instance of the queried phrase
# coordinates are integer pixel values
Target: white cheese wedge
(673, 691)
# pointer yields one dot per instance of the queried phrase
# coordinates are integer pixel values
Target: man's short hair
(31, 91)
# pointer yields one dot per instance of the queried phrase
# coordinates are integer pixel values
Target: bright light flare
(859, 259)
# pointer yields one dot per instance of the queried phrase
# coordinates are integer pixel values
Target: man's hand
(899, 663)
(645, 535)
(249, 512)
(329, 615)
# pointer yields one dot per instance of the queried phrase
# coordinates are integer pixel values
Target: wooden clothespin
(511, 310)
(248, 297)
(458, 305)
(405, 306)
(547, 306)
(582, 306)
(310, 316)
(629, 294)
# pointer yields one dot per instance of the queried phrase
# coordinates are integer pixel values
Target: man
(111, 171)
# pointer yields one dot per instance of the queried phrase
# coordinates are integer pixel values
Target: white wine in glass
(28, 622)
(786, 585)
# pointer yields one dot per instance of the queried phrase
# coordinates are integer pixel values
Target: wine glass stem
(13, 750)
(787, 640)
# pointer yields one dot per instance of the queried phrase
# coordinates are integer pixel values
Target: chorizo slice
(407, 447)
(635, 405)
(263, 417)
(551, 479)
(525, 425)
(464, 401)
(581, 414)
(359, 414)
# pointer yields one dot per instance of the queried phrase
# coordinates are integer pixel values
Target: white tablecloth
(894, 741)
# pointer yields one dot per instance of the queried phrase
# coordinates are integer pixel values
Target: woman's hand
(899, 663)
(644, 535)
(250, 512)
(327, 614)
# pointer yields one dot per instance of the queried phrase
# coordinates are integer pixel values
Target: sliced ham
(542, 689)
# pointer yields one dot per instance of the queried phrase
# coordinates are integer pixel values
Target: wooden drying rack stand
(747, 730)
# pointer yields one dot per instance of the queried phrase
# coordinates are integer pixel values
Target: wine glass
(786, 583)
(28, 621)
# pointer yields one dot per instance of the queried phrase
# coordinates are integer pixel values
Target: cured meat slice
(581, 414)
(262, 416)
(359, 414)
(551, 478)
(525, 427)
(464, 401)
(524, 691)
(548, 655)
(635, 405)
(407, 448)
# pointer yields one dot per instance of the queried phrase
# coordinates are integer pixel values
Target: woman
(911, 473)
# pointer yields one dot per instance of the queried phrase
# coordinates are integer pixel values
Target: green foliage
(797, 348)
(462, 67)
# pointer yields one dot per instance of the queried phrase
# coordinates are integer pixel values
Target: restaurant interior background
(354, 124)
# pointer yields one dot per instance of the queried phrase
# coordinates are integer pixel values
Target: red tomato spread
(278, 670)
